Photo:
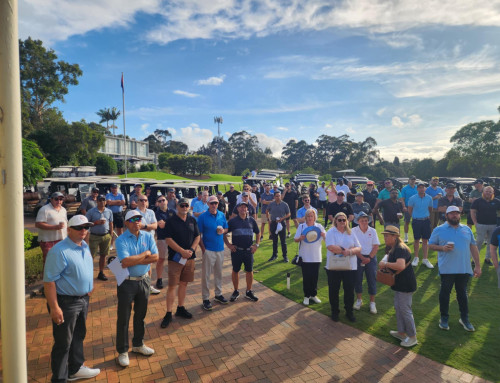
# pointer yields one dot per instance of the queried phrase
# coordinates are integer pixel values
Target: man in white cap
(455, 245)
(212, 225)
(68, 280)
(136, 250)
(51, 221)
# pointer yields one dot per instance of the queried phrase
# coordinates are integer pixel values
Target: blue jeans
(67, 352)
(128, 292)
(460, 281)
(370, 269)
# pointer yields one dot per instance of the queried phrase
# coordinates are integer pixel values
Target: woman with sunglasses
(310, 252)
(397, 260)
(341, 242)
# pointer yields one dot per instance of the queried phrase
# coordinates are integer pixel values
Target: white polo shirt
(367, 240)
(51, 216)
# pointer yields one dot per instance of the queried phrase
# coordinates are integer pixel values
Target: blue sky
(407, 73)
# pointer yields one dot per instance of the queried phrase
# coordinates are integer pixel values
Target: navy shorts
(421, 228)
(240, 257)
(322, 204)
(293, 214)
(118, 220)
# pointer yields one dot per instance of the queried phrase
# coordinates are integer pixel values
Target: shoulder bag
(387, 276)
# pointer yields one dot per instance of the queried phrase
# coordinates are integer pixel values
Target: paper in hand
(120, 273)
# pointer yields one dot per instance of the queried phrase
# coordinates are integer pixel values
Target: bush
(105, 165)
(28, 239)
(33, 264)
(147, 168)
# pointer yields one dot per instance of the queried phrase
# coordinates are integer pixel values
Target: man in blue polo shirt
(436, 193)
(455, 244)
(212, 225)
(420, 208)
(201, 206)
(68, 280)
(115, 202)
(136, 250)
(301, 213)
(408, 191)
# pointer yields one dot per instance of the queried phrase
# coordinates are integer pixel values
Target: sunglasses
(184, 205)
(79, 228)
(214, 203)
(306, 200)
(59, 199)
(101, 199)
(341, 220)
(143, 200)
(161, 200)
(135, 219)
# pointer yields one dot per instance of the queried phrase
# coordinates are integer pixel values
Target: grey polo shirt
(278, 210)
(94, 214)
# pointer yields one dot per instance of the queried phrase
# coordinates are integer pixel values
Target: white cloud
(381, 111)
(144, 129)
(400, 40)
(275, 144)
(172, 131)
(406, 121)
(282, 128)
(212, 80)
(185, 94)
(193, 136)
(350, 130)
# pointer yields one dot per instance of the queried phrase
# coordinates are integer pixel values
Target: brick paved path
(273, 340)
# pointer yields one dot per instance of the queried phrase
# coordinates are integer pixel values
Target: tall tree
(245, 150)
(176, 147)
(35, 165)
(105, 115)
(44, 80)
(297, 155)
(113, 116)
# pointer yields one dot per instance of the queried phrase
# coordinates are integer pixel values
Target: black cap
(242, 203)
(479, 181)
(138, 185)
(219, 192)
(114, 186)
(451, 185)
(341, 193)
(95, 190)
(183, 200)
(171, 190)
(413, 177)
(420, 184)
(101, 197)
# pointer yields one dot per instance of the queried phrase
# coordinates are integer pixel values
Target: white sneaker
(358, 304)
(415, 262)
(123, 359)
(373, 308)
(144, 350)
(305, 302)
(152, 290)
(111, 247)
(406, 238)
(397, 335)
(315, 299)
(84, 373)
(408, 342)
(427, 263)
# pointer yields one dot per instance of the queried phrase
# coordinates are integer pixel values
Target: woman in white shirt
(310, 252)
(341, 243)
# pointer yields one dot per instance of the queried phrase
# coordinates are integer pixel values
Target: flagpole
(124, 131)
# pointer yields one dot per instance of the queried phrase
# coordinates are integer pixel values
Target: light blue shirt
(386, 194)
(199, 207)
(434, 193)
(420, 206)
(148, 217)
(128, 244)
(322, 193)
(301, 213)
(456, 261)
(207, 224)
(407, 192)
(71, 267)
(117, 197)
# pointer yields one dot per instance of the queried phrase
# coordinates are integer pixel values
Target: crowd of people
(152, 229)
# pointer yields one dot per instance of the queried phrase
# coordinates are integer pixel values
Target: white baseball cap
(452, 208)
(79, 220)
(132, 214)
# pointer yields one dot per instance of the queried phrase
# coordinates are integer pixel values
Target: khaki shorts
(180, 273)
(100, 243)
(263, 218)
(162, 246)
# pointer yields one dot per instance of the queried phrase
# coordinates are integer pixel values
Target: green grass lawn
(471, 352)
(225, 177)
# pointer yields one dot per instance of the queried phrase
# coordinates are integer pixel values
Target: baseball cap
(451, 185)
(138, 185)
(323, 183)
(101, 197)
(132, 214)
(245, 194)
(114, 186)
(79, 220)
(219, 192)
(243, 203)
(478, 181)
(171, 190)
(370, 183)
(213, 198)
(420, 184)
(359, 193)
(341, 193)
(435, 178)
(56, 195)
(183, 200)
(413, 177)
(452, 208)
(95, 190)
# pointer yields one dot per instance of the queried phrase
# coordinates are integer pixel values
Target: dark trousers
(67, 352)
(460, 281)
(347, 278)
(128, 292)
(282, 238)
(310, 272)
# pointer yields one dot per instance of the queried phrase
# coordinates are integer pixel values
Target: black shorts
(322, 204)
(293, 214)
(118, 220)
(242, 257)
(421, 228)
(469, 219)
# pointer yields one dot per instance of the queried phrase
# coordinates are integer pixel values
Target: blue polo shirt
(71, 267)
(434, 193)
(128, 244)
(207, 224)
(301, 213)
(199, 207)
(386, 194)
(407, 192)
(117, 197)
(458, 260)
(94, 214)
(420, 205)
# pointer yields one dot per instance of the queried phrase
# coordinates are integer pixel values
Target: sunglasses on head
(183, 205)
(135, 219)
(79, 228)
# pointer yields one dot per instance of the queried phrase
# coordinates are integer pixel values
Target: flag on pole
(123, 89)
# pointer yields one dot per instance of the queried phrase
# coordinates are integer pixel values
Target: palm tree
(113, 116)
(105, 115)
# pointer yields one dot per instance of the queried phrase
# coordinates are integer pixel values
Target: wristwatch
(256, 244)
